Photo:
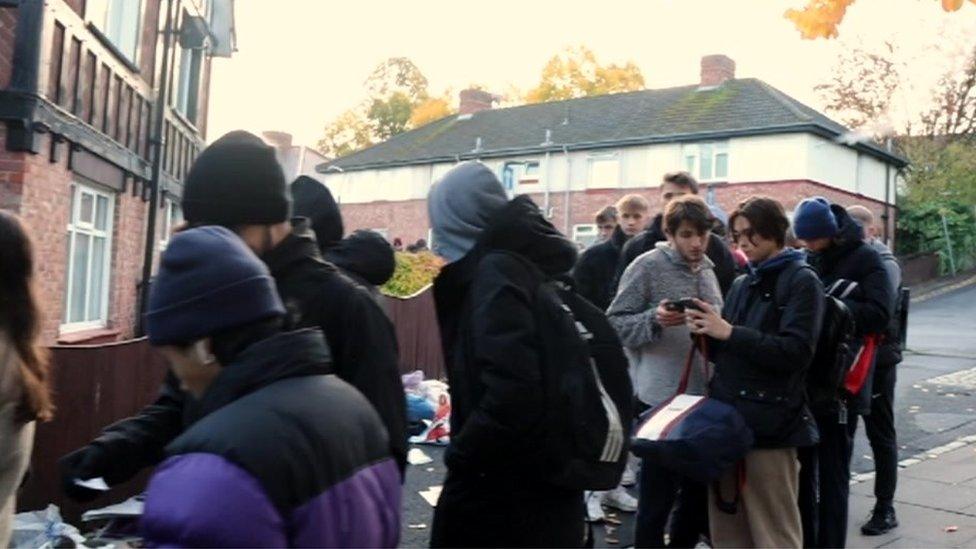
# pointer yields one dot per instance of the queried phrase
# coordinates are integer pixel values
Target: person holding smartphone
(649, 314)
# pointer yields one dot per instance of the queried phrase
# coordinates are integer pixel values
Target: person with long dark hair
(25, 394)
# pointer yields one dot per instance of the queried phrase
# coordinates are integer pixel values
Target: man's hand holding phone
(670, 313)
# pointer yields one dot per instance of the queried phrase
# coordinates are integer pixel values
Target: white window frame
(188, 83)
(584, 232)
(691, 160)
(170, 207)
(76, 226)
(593, 160)
(99, 12)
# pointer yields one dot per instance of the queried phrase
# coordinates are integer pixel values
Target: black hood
(281, 356)
(365, 254)
(850, 235)
(298, 246)
(655, 231)
(520, 227)
(312, 199)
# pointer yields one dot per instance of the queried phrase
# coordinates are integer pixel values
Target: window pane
(532, 168)
(183, 85)
(101, 213)
(87, 211)
(95, 297)
(690, 163)
(722, 165)
(72, 192)
(79, 278)
(705, 166)
(122, 25)
(66, 301)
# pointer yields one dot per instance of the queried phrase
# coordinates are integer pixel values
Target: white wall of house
(749, 159)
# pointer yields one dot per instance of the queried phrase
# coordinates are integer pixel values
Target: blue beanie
(208, 281)
(813, 219)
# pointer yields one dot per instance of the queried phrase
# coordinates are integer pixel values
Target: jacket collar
(281, 356)
(298, 246)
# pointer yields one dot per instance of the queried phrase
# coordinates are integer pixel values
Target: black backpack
(588, 390)
(836, 347)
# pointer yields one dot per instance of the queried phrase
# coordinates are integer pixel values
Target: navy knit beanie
(813, 219)
(236, 181)
(208, 281)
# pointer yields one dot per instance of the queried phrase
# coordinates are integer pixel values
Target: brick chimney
(473, 101)
(716, 69)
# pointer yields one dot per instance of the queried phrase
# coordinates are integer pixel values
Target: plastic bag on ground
(43, 529)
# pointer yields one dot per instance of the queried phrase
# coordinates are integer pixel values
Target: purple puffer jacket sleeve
(203, 500)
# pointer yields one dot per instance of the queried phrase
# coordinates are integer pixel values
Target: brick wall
(8, 32)
(408, 219)
(37, 190)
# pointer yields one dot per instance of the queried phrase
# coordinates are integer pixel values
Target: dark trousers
(482, 511)
(664, 495)
(880, 428)
(825, 475)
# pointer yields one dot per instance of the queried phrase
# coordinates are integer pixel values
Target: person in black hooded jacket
(840, 256)
(494, 494)
(238, 183)
(365, 256)
(676, 184)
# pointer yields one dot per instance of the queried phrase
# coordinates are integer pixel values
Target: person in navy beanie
(854, 272)
(215, 316)
(237, 183)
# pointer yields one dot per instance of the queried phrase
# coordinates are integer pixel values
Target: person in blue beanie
(258, 467)
(846, 264)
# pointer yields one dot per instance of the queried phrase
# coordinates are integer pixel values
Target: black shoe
(882, 521)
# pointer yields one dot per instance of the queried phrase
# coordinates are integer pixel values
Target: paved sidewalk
(935, 502)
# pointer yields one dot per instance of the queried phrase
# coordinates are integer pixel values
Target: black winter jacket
(485, 310)
(761, 369)
(316, 294)
(717, 251)
(871, 303)
(596, 270)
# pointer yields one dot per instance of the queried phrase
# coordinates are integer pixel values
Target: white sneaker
(618, 498)
(594, 506)
(629, 478)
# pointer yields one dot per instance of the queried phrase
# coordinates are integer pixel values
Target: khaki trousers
(767, 514)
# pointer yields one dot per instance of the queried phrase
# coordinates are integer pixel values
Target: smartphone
(674, 306)
(688, 303)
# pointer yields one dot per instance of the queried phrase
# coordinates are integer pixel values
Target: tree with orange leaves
(820, 18)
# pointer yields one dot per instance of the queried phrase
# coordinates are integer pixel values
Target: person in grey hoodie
(657, 343)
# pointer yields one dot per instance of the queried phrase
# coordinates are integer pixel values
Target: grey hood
(461, 206)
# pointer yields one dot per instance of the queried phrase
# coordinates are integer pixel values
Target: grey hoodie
(460, 206)
(657, 354)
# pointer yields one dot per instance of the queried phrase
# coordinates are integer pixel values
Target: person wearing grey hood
(495, 493)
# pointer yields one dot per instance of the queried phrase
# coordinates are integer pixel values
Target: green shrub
(414, 272)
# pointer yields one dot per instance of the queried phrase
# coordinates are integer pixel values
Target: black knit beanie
(236, 181)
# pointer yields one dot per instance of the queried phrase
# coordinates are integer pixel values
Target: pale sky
(302, 62)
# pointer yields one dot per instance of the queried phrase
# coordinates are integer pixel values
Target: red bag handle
(699, 345)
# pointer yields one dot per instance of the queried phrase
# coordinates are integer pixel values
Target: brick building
(79, 82)
(737, 136)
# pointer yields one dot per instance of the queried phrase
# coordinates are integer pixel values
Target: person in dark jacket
(879, 425)
(676, 184)
(237, 182)
(762, 345)
(495, 494)
(840, 256)
(365, 256)
(258, 467)
(596, 269)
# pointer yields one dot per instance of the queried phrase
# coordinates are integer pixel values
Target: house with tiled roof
(738, 137)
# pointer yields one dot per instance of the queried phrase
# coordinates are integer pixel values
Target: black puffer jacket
(363, 343)
(717, 251)
(485, 310)
(596, 270)
(761, 369)
(850, 258)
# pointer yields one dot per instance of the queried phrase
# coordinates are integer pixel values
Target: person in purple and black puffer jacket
(278, 452)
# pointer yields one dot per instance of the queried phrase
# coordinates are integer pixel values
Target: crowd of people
(282, 419)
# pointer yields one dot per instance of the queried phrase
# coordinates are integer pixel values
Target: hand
(708, 322)
(668, 318)
(82, 464)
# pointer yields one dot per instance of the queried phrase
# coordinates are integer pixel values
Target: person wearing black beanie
(237, 183)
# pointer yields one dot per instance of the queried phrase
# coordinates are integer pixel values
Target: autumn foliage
(820, 18)
(414, 272)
